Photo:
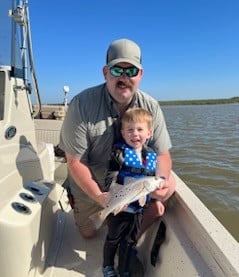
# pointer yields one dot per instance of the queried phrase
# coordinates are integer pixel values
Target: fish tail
(97, 219)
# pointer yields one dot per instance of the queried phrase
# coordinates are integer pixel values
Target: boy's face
(136, 134)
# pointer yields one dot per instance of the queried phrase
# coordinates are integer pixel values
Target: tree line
(202, 101)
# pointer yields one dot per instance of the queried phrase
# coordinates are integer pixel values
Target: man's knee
(87, 229)
(88, 234)
(82, 211)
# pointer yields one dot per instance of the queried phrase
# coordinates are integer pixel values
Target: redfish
(122, 195)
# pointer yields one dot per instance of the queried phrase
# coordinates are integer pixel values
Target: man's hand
(162, 193)
(103, 198)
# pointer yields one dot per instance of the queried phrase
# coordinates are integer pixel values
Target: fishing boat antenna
(66, 90)
(21, 24)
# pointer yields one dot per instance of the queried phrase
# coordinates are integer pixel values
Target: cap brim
(124, 60)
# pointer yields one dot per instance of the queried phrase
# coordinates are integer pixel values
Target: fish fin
(97, 219)
(142, 200)
(116, 211)
(120, 209)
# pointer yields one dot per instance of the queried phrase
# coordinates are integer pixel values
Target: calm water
(206, 156)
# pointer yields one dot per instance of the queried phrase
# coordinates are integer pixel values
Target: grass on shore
(201, 102)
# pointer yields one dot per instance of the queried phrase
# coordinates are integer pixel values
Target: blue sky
(190, 48)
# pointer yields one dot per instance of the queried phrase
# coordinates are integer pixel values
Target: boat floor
(78, 256)
(196, 244)
(71, 254)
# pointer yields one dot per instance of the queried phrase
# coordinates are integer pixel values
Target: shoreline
(232, 100)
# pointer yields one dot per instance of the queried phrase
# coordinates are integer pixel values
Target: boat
(38, 236)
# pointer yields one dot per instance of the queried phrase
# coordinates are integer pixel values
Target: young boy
(135, 160)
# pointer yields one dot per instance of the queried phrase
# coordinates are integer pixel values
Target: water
(206, 156)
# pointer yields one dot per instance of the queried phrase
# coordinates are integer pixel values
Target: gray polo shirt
(91, 126)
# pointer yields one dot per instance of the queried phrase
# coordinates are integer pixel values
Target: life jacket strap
(137, 170)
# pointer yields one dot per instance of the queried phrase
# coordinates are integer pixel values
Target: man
(91, 127)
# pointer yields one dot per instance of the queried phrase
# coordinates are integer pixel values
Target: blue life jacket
(132, 166)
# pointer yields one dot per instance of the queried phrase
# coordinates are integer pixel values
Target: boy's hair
(137, 115)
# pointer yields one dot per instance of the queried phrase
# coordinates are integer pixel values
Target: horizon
(177, 100)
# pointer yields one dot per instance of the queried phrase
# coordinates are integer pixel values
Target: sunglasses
(118, 71)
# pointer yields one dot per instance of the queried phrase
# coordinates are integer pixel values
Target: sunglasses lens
(117, 71)
(132, 71)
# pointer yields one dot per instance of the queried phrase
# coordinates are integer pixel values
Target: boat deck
(78, 256)
(187, 244)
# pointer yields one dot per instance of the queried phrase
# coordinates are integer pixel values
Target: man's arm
(83, 178)
(164, 169)
(164, 165)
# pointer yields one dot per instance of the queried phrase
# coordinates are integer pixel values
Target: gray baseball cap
(123, 50)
